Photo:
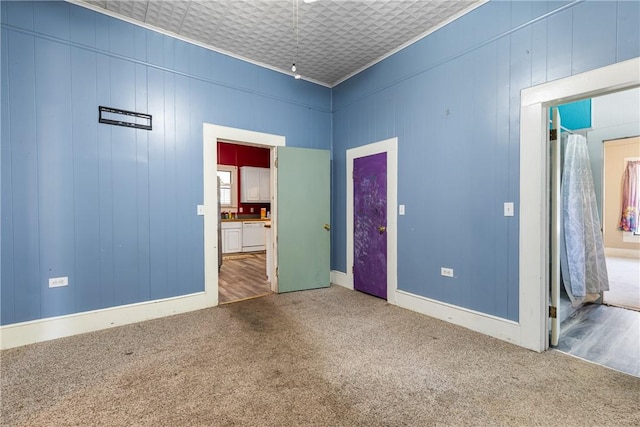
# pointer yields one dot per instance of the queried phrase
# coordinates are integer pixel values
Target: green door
(303, 219)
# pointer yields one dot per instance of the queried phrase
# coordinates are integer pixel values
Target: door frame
(534, 185)
(211, 134)
(389, 146)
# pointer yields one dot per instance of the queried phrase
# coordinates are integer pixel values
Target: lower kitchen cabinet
(231, 237)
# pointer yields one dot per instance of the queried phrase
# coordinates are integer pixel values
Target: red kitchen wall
(244, 155)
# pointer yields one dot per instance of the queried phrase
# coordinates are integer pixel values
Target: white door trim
(390, 146)
(211, 134)
(534, 206)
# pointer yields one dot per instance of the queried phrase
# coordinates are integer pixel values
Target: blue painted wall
(453, 101)
(114, 208)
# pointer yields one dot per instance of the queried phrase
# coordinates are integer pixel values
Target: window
(629, 222)
(228, 177)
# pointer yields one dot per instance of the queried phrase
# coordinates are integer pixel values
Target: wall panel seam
(12, 168)
(37, 177)
(74, 278)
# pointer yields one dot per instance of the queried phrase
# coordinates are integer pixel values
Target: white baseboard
(506, 330)
(622, 253)
(24, 333)
(341, 279)
(496, 327)
(19, 334)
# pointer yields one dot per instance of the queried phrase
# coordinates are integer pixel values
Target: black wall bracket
(130, 119)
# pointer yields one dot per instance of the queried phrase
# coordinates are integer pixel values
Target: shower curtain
(630, 202)
(582, 261)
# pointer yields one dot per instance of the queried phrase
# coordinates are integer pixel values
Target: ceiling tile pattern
(335, 37)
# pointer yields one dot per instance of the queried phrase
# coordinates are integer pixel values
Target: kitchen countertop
(245, 219)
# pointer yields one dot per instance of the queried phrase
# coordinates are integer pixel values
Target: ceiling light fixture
(295, 23)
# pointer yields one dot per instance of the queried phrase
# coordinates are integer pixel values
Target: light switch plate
(508, 209)
(200, 210)
(401, 210)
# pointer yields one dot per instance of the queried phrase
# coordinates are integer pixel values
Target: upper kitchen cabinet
(255, 185)
(265, 185)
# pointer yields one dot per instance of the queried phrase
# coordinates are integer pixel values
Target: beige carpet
(328, 357)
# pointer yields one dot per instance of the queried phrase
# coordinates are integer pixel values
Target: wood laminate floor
(608, 336)
(242, 276)
(605, 334)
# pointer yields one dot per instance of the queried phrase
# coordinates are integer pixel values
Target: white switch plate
(401, 210)
(446, 271)
(200, 210)
(240, 210)
(56, 282)
(508, 209)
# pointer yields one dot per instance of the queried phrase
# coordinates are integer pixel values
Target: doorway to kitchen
(244, 194)
(245, 271)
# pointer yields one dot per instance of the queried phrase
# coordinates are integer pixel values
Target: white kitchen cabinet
(265, 185)
(231, 237)
(255, 185)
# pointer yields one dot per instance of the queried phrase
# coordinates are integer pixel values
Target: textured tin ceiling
(336, 38)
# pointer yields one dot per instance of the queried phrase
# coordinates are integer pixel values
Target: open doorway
(588, 328)
(297, 257)
(215, 275)
(244, 196)
(534, 216)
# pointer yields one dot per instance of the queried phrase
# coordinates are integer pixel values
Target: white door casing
(211, 135)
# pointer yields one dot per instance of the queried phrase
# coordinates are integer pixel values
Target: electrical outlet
(446, 271)
(251, 209)
(200, 210)
(56, 282)
(240, 209)
(401, 210)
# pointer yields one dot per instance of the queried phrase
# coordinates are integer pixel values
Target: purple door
(369, 224)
